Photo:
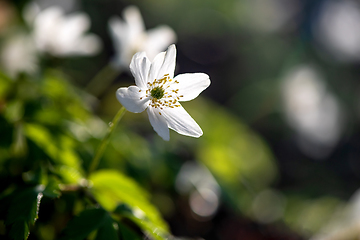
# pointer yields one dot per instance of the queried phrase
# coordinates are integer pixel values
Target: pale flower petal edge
(191, 85)
(158, 123)
(130, 98)
(179, 120)
(139, 67)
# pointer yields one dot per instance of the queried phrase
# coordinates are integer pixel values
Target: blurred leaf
(64, 97)
(61, 151)
(127, 234)
(108, 229)
(110, 188)
(5, 84)
(52, 188)
(81, 226)
(69, 174)
(309, 215)
(14, 110)
(58, 149)
(237, 156)
(23, 211)
(19, 230)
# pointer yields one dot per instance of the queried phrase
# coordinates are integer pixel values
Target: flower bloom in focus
(62, 35)
(159, 92)
(129, 37)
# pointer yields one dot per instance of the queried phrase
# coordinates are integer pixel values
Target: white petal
(46, 27)
(158, 123)
(119, 32)
(164, 63)
(191, 85)
(87, 45)
(168, 66)
(132, 17)
(158, 39)
(139, 67)
(180, 121)
(75, 24)
(156, 65)
(130, 99)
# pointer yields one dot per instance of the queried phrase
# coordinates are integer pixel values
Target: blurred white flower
(129, 37)
(62, 35)
(312, 111)
(159, 92)
(18, 55)
(337, 29)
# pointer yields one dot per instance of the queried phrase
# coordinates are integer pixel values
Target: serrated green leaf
(111, 188)
(23, 211)
(108, 229)
(25, 206)
(19, 230)
(81, 226)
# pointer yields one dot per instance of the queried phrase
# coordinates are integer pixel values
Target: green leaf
(19, 230)
(52, 188)
(233, 153)
(23, 211)
(81, 226)
(128, 234)
(60, 149)
(111, 188)
(108, 230)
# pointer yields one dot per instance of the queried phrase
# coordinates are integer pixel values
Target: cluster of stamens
(159, 94)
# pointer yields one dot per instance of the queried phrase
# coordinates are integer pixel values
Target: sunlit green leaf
(57, 149)
(112, 188)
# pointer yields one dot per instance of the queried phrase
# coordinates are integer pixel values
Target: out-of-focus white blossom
(18, 54)
(129, 37)
(63, 35)
(312, 111)
(337, 29)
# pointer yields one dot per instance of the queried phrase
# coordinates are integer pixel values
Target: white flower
(158, 91)
(62, 35)
(129, 37)
(337, 29)
(18, 55)
(312, 110)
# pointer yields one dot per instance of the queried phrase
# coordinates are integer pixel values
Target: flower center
(157, 92)
(161, 94)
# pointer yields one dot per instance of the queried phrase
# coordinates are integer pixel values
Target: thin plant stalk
(100, 151)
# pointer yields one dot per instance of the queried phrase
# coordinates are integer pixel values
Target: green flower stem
(100, 151)
(102, 80)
